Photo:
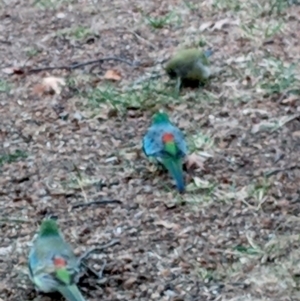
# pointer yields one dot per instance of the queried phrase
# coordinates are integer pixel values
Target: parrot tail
(174, 166)
(71, 293)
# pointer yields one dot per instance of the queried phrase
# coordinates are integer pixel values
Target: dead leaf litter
(71, 147)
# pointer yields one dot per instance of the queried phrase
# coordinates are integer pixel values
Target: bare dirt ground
(235, 234)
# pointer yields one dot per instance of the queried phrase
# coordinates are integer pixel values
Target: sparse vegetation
(4, 86)
(234, 235)
(150, 95)
(160, 22)
(12, 157)
(32, 52)
(77, 32)
(52, 4)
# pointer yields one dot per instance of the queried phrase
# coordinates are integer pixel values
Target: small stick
(141, 38)
(14, 220)
(90, 269)
(100, 274)
(99, 202)
(101, 60)
(79, 65)
(79, 180)
(89, 252)
(5, 42)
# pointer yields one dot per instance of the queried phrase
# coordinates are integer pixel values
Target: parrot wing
(152, 141)
(180, 141)
(42, 271)
(56, 275)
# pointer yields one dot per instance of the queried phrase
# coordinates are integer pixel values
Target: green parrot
(52, 264)
(189, 65)
(165, 142)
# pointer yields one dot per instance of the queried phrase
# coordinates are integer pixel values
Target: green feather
(71, 293)
(160, 117)
(48, 244)
(64, 276)
(188, 65)
(174, 166)
(171, 148)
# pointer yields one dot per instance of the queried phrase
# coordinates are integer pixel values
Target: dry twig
(99, 202)
(79, 65)
(86, 254)
(14, 220)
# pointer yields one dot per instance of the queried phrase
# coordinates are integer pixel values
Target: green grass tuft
(12, 157)
(78, 33)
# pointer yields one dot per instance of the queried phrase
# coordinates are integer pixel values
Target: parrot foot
(100, 274)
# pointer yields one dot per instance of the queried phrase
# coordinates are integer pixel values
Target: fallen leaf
(194, 161)
(239, 59)
(60, 16)
(131, 156)
(288, 118)
(126, 257)
(274, 124)
(12, 71)
(290, 99)
(263, 126)
(166, 224)
(77, 115)
(296, 134)
(240, 195)
(205, 25)
(219, 24)
(38, 89)
(186, 231)
(54, 83)
(49, 84)
(250, 111)
(130, 282)
(165, 273)
(112, 75)
(4, 251)
(202, 183)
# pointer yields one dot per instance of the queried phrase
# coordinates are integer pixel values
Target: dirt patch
(235, 234)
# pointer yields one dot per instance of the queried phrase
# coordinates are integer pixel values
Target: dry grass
(234, 236)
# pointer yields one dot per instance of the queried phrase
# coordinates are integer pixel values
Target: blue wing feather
(152, 141)
(33, 261)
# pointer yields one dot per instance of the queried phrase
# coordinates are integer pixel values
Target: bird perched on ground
(52, 264)
(166, 143)
(189, 65)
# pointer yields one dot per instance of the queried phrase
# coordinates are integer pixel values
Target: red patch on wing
(59, 262)
(167, 137)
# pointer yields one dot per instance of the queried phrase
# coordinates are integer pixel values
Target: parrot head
(160, 117)
(48, 227)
